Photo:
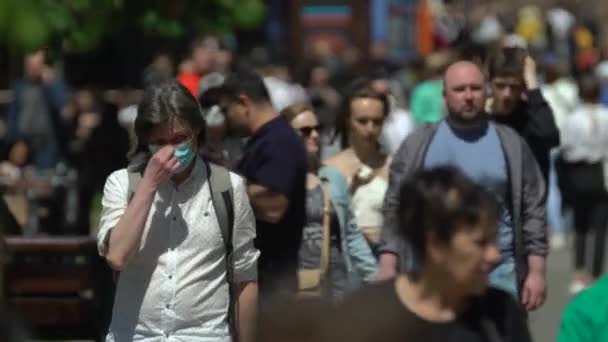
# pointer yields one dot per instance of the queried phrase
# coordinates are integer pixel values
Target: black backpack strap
(220, 188)
(221, 196)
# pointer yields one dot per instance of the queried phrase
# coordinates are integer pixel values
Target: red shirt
(190, 80)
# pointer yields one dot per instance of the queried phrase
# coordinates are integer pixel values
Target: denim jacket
(360, 262)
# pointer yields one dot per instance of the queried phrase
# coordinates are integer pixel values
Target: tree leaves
(79, 25)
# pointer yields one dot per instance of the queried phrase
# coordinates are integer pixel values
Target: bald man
(494, 156)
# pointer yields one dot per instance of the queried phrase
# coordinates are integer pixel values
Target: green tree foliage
(80, 25)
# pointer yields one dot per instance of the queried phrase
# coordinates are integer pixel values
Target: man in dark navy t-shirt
(274, 164)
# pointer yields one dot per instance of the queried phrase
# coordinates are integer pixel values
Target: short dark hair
(360, 88)
(441, 200)
(507, 62)
(160, 103)
(589, 88)
(245, 82)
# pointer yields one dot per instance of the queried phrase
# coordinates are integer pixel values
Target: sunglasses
(307, 130)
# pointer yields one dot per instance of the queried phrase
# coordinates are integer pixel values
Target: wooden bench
(59, 286)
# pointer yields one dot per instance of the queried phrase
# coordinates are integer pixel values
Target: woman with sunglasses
(363, 162)
(351, 261)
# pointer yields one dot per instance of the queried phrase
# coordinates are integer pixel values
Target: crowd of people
(239, 199)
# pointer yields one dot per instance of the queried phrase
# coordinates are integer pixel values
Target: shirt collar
(264, 129)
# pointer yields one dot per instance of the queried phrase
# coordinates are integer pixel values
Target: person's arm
(534, 230)
(541, 121)
(359, 250)
(534, 290)
(123, 240)
(269, 206)
(245, 257)
(273, 180)
(390, 243)
(247, 311)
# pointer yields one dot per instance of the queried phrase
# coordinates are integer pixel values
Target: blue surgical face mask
(183, 153)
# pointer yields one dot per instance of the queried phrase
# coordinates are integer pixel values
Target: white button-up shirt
(584, 136)
(175, 288)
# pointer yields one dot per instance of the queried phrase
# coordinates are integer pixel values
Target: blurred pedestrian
(452, 224)
(349, 261)
(363, 161)
(425, 101)
(560, 22)
(35, 114)
(583, 181)
(399, 123)
(561, 92)
(517, 102)
(200, 62)
(325, 100)
(531, 27)
(274, 164)
(180, 231)
(585, 319)
(495, 157)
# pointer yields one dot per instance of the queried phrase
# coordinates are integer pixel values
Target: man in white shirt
(164, 235)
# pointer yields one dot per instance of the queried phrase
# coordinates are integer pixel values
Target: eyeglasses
(306, 131)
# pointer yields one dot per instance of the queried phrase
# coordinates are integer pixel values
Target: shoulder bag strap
(326, 229)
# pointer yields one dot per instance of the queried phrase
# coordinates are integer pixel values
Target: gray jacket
(528, 194)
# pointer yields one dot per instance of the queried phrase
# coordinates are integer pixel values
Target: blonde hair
(290, 112)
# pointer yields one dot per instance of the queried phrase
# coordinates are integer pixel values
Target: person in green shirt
(426, 104)
(426, 101)
(585, 319)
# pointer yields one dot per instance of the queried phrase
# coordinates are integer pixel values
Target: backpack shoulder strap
(220, 188)
(221, 196)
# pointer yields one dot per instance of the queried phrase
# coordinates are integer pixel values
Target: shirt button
(206, 214)
(174, 218)
(167, 306)
(170, 276)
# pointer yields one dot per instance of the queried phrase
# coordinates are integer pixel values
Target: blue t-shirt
(478, 154)
(274, 157)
